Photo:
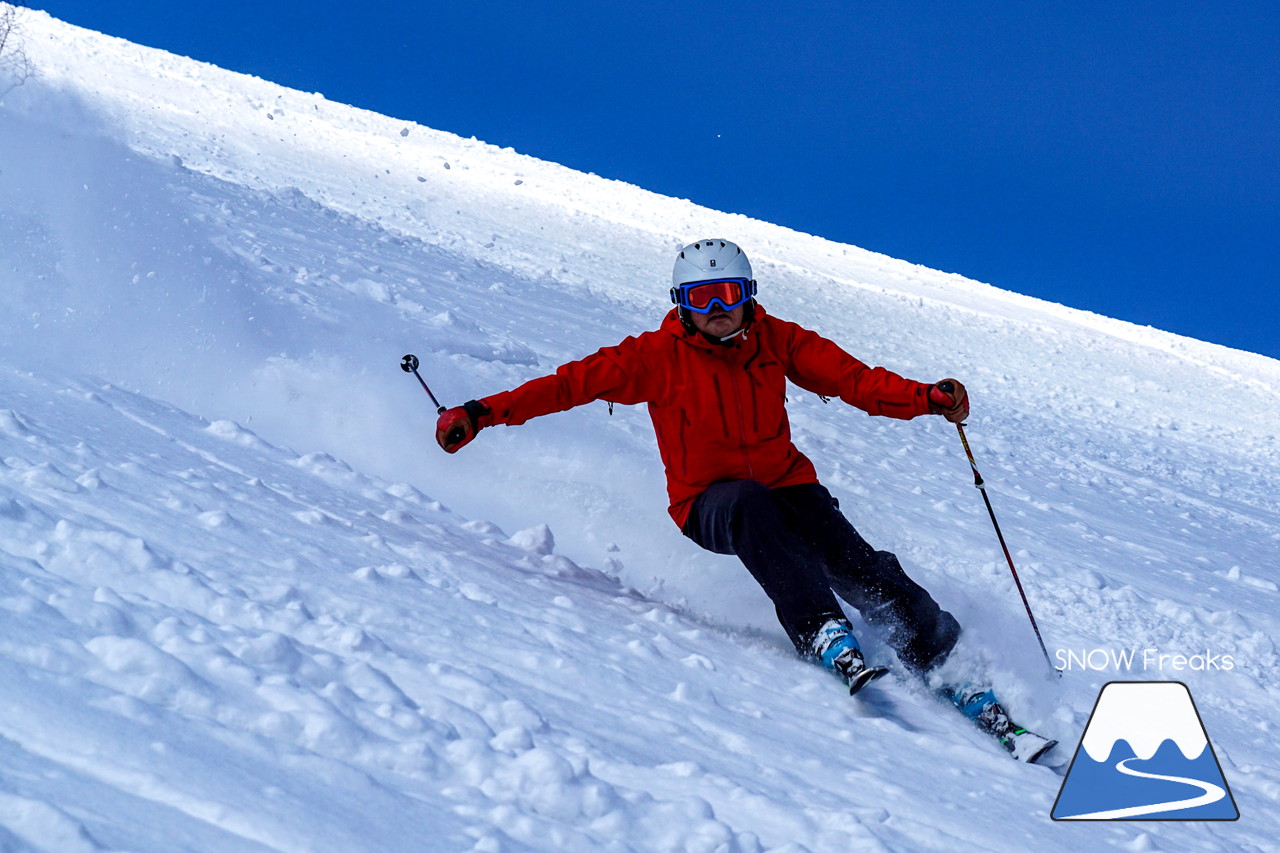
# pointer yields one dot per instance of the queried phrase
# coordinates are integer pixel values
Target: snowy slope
(248, 605)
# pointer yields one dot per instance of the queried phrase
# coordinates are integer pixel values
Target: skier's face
(718, 322)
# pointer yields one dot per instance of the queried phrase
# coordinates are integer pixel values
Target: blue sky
(1122, 158)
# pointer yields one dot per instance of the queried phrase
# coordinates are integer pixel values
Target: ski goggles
(701, 296)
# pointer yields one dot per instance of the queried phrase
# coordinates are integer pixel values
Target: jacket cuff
(495, 409)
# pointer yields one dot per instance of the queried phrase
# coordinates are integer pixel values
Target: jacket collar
(671, 324)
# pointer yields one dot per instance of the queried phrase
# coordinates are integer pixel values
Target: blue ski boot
(837, 649)
(980, 705)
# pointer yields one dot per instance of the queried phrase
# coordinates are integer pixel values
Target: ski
(1025, 745)
(864, 677)
(981, 707)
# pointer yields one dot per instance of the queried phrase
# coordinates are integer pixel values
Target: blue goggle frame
(746, 287)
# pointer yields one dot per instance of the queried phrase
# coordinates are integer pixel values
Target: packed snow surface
(246, 604)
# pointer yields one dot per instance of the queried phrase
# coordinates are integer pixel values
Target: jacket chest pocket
(765, 384)
(715, 403)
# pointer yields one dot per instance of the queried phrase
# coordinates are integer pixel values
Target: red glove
(949, 399)
(457, 426)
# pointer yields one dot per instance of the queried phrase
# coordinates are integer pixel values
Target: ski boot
(980, 705)
(837, 649)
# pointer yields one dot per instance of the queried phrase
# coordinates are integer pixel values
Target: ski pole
(409, 364)
(982, 487)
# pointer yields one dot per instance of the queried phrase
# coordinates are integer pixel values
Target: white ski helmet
(710, 259)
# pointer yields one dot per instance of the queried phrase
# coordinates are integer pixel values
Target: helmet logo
(713, 262)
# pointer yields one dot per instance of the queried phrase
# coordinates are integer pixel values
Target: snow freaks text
(1149, 660)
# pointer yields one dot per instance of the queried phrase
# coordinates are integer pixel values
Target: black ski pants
(803, 551)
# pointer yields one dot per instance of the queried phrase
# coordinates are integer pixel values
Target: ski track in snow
(212, 641)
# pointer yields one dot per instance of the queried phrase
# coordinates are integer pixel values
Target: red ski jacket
(718, 410)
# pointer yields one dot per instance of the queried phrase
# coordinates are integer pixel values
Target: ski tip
(1028, 751)
(865, 677)
(1027, 746)
(1042, 753)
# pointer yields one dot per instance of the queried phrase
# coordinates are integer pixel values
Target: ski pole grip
(947, 386)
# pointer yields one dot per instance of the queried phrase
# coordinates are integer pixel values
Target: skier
(714, 379)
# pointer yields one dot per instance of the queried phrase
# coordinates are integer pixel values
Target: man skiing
(714, 379)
